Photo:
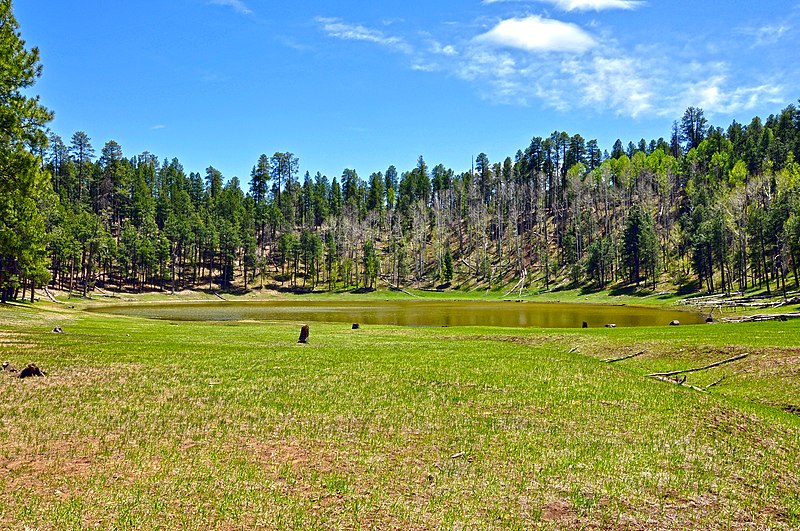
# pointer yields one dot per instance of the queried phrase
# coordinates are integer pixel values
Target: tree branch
(717, 364)
(623, 358)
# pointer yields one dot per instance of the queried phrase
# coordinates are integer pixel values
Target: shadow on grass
(359, 291)
(690, 288)
(567, 287)
(231, 290)
(293, 290)
(591, 289)
(630, 291)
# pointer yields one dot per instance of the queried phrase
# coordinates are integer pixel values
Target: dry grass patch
(11, 341)
(774, 361)
(78, 376)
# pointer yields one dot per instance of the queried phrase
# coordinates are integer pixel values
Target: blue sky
(367, 84)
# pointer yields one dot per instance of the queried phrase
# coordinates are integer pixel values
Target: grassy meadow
(144, 424)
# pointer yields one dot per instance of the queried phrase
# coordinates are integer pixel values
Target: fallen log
(520, 284)
(709, 386)
(789, 302)
(51, 297)
(682, 383)
(623, 358)
(398, 288)
(469, 267)
(761, 317)
(759, 302)
(521, 281)
(684, 371)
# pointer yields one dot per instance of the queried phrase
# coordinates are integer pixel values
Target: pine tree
(447, 266)
(22, 181)
(640, 245)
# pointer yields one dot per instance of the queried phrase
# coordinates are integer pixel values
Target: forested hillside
(719, 206)
(710, 208)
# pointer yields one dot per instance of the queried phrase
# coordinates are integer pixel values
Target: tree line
(713, 206)
(709, 208)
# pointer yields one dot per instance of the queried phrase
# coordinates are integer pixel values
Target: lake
(411, 313)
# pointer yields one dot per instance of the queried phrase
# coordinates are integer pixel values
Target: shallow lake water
(412, 313)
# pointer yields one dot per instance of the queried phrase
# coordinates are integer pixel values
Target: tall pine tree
(22, 182)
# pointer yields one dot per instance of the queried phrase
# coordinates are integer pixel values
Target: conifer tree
(22, 181)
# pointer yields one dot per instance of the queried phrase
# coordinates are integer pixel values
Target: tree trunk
(764, 258)
(173, 273)
(85, 273)
(211, 272)
(71, 276)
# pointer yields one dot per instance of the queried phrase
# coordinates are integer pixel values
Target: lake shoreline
(412, 312)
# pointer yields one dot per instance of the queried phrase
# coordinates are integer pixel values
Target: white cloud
(611, 82)
(482, 63)
(425, 67)
(447, 50)
(237, 5)
(505, 77)
(714, 96)
(582, 5)
(765, 35)
(537, 34)
(534, 60)
(334, 27)
(157, 127)
(594, 5)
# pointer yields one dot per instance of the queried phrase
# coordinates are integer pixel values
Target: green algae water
(412, 313)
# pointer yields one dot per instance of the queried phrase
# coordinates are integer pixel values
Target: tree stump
(303, 334)
(585, 325)
(356, 326)
(30, 370)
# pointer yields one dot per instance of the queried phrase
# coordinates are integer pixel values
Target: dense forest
(709, 209)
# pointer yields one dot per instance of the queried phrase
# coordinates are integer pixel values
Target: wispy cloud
(581, 5)
(237, 5)
(594, 5)
(608, 80)
(448, 50)
(158, 127)
(613, 83)
(717, 95)
(765, 35)
(540, 61)
(335, 27)
(537, 34)
(291, 43)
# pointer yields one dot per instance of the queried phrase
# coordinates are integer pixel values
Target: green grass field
(145, 424)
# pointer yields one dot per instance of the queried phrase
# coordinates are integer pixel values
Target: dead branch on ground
(696, 369)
